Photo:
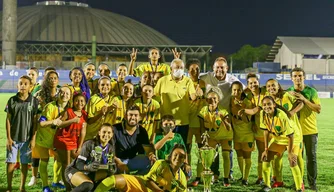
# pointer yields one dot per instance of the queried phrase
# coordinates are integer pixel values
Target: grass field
(325, 157)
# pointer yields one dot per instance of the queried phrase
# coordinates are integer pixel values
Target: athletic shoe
(273, 179)
(265, 189)
(195, 182)
(215, 179)
(230, 177)
(226, 182)
(33, 181)
(47, 189)
(244, 182)
(58, 185)
(259, 181)
(277, 184)
(38, 175)
(313, 188)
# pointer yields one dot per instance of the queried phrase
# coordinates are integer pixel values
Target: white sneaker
(33, 181)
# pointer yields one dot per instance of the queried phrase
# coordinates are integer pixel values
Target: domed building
(62, 33)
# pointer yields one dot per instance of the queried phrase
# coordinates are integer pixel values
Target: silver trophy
(97, 154)
(208, 154)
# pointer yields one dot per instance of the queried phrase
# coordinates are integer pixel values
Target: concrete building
(314, 54)
(60, 33)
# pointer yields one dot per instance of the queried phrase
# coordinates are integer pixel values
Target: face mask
(178, 73)
(166, 129)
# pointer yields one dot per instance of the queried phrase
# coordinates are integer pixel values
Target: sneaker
(195, 182)
(265, 189)
(313, 188)
(38, 176)
(244, 182)
(58, 185)
(230, 177)
(47, 189)
(226, 182)
(33, 181)
(259, 181)
(277, 184)
(273, 179)
(17, 166)
(215, 179)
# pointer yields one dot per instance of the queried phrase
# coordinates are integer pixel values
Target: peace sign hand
(176, 54)
(133, 55)
(199, 91)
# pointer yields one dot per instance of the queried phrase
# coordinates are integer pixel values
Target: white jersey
(224, 85)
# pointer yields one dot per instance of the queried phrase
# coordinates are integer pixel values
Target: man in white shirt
(220, 78)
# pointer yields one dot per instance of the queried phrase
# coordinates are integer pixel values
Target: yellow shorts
(244, 146)
(134, 183)
(40, 152)
(225, 144)
(196, 132)
(281, 148)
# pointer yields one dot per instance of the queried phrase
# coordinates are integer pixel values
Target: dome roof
(73, 24)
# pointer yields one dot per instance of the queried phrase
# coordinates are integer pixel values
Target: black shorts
(70, 171)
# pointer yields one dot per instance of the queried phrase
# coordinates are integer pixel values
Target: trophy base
(207, 178)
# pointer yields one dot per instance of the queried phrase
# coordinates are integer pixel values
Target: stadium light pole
(9, 32)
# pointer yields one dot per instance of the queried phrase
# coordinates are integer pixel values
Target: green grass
(325, 157)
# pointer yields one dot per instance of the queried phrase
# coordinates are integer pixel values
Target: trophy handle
(217, 149)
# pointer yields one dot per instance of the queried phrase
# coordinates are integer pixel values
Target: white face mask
(178, 73)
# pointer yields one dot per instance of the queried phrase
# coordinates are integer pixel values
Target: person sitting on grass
(95, 162)
(164, 175)
(20, 124)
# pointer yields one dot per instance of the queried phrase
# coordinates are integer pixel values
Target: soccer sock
(259, 170)
(248, 164)
(57, 176)
(85, 186)
(226, 158)
(266, 173)
(297, 177)
(107, 184)
(43, 171)
(278, 169)
(241, 165)
(300, 162)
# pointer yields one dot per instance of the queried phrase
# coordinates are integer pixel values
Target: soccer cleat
(265, 189)
(277, 184)
(259, 181)
(58, 185)
(33, 181)
(244, 182)
(226, 182)
(195, 182)
(47, 189)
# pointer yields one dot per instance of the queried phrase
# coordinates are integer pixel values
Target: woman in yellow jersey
(49, 121)
(100, 108)
(285, 136)
(243, 137)
(164, 175)
(149, 110)
(117, 84)
(79, 83)
(146, 78)
(215, 120)
(193, 67)
(155, 64)
(291, 105)
(33, 74)
(255, 94)
(49, 89)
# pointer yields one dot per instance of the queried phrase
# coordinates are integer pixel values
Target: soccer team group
(109, 134)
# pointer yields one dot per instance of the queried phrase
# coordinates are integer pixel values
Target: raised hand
(199, 91)
(133, 55)
(176, 54)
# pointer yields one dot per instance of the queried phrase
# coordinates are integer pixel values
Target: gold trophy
(207, 155)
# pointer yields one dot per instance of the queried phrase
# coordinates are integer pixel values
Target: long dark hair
(45, 92)
(277, 105)
(84, 87)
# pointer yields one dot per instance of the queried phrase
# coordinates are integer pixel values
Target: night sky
(227, 25)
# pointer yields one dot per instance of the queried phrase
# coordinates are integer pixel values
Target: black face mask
(166, 129)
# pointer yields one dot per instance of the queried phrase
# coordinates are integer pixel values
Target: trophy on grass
(207, 155)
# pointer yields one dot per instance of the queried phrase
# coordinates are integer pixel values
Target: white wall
(315, 66)
(286, 57)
